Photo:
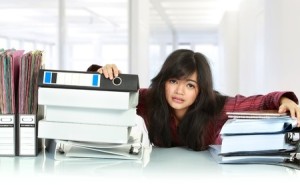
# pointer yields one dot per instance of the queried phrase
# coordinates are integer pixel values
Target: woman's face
(181, 93)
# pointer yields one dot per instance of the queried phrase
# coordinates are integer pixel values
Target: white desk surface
(176, 165)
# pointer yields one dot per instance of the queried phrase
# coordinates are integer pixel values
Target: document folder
(87, 80)
(91, 116)
(258, 126)
(27, 135)
(83, 132)
(87, 98)
(7, 135)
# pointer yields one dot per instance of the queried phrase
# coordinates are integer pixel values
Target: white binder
(83, 132)
(70, 150)
(91, 116)
(7, 135)
(27, 135)
(87, 98)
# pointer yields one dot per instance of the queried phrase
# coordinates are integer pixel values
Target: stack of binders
(88, 115)
(259, 137)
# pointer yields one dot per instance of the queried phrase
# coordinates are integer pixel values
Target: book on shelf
(83, 132)
(84, 98)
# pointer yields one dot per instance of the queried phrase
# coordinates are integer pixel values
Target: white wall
(251, 46)
(268, 47)
(228, 66)
(282, 45)
(139, 40)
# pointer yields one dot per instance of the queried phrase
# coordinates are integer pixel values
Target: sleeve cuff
(291, 96)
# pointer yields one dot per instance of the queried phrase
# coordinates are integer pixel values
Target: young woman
(181, 108)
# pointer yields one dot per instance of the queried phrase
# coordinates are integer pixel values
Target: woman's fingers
(109, 71)
(115, 70)
(290, 106)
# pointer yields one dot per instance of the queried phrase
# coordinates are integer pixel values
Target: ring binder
(135, 149)
(87, 80)
(292, 138)
(68, 150)
(117, 81)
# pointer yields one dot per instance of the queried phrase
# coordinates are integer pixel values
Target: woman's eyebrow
(191, 80)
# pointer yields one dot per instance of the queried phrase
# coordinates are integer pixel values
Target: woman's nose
(180, 89)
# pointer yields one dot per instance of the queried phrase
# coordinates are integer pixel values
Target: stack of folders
(18, 101)
(259, 137)
(89, 116)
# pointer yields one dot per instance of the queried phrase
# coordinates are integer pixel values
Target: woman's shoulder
(143, 92)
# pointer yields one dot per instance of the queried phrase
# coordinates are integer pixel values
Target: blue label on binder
(47, 77)
(95, 80)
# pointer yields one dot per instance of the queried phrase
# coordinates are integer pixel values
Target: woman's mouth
(177, 100)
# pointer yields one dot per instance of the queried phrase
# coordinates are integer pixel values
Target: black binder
(87, 80)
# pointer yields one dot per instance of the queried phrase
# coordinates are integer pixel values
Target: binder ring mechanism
(292, 138)
(117, 81)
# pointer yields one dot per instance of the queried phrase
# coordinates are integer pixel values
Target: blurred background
(253, 45)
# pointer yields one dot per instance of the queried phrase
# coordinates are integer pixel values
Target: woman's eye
(190, 86)
(172, 81)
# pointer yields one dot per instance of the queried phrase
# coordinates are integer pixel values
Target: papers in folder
(18, 81)
(18, 101)
(9, 77)
(28, 83)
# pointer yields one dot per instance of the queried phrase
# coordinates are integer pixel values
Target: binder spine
(87, 80)
(7, 135)
(27, 135)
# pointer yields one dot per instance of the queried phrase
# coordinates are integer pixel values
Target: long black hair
(207, 106)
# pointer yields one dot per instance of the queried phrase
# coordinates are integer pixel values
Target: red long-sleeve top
(237, 103)
(269, 101)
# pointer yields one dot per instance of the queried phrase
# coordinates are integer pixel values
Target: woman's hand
(109, 71)
(288, 105)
